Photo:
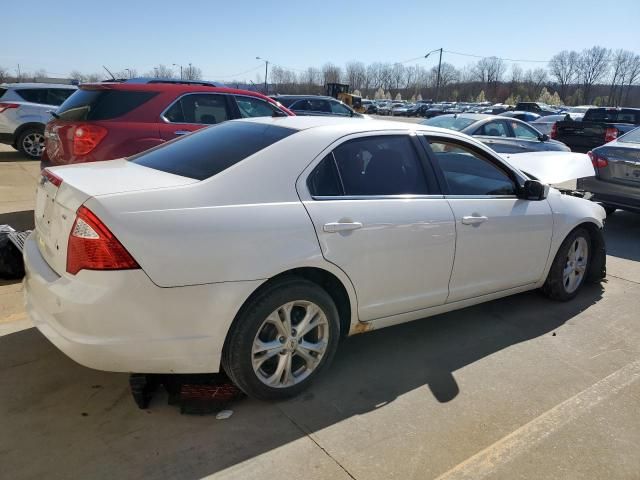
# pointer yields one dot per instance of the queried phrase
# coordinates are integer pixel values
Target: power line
(493, 56)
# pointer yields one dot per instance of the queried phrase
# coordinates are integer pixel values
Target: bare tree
(311, 78)
(77, 76)
(398, 75)
(592, 67)
(356, 74)
(633, 74)
(162, 71)
(4, 74)
(331, 73)
(191, 72)
(563, 67)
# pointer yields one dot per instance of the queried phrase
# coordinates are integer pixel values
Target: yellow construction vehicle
(341, 92)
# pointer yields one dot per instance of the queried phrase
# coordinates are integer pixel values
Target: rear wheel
(282, 340)
(569, 269)
(31, 142)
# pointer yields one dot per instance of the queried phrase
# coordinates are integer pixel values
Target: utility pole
(190, 73)
(439, 68)
(266, 68)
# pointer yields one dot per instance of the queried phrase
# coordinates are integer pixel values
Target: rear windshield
(612, 116)
(632, 137)
(452, 123)
(86, 105)
(209, 151)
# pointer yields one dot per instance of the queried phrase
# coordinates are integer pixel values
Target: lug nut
(293, 332)
(281, 339)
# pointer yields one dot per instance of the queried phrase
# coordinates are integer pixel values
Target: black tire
(554, 286)
(237, 352)
(609, 210)
(25, 139)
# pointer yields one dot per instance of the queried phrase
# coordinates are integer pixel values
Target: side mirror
(544, 137)
(534, 190)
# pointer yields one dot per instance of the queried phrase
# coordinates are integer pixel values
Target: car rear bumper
(121, 321)
(615, 194)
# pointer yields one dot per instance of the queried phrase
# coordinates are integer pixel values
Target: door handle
(182, 132)
(335, 227)
(473, 220)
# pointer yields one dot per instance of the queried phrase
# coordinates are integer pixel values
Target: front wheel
(282, 340)
(570, 266)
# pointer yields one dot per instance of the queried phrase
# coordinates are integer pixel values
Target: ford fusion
(253, 246)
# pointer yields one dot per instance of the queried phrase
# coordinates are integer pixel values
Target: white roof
(38, 85)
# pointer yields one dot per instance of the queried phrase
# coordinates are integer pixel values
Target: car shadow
(52, 408)
(14, 156)
(20, 221)
(621, 232)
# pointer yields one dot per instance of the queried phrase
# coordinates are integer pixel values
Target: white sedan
(254, 245)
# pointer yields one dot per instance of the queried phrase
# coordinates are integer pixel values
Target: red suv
(103, 121)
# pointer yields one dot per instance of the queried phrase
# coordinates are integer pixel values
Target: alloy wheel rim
(290, 344)
(33, 144)
(576, 265)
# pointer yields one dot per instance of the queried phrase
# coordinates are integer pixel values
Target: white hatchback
(254, 245)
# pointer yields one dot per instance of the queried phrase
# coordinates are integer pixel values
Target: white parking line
(486, 461)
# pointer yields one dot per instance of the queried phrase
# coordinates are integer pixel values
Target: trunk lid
(56, 206)
(623, 165)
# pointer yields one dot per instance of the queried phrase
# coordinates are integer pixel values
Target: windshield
(452, 123)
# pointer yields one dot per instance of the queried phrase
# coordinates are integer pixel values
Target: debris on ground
(195, 394)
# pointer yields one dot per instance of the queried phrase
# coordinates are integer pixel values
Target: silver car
(24, 111)
(617, 181)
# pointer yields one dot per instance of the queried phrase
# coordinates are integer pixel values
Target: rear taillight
(92, 246)
(86, 138)
(610, 134)
(7, 106)
(597, 161)
(554, 130)
(51, 177)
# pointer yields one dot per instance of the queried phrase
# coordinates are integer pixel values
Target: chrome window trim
(480, 197)
(376, 197)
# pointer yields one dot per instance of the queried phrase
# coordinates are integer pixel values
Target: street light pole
(439, 69)
(266, 69)
(176, 65)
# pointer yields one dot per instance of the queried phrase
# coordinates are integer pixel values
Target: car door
(379, 216)
(502, 241)
(192, 112)
(527, 138)
(497, 136)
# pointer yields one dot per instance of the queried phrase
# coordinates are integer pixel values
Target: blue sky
(223, 38)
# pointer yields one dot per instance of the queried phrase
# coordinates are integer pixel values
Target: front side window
(201, 108)
(337, 107)
(380, 165)
(468, 172)
(254, 107)
(523, 131)
(493, 129)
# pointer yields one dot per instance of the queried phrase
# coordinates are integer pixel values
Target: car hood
(553, 167)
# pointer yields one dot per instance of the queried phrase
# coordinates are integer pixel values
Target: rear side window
(33, 95)
(380, 165)
(57, 96)
(207, 152)
(86, 105)
(2, 92)
(612, 116)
